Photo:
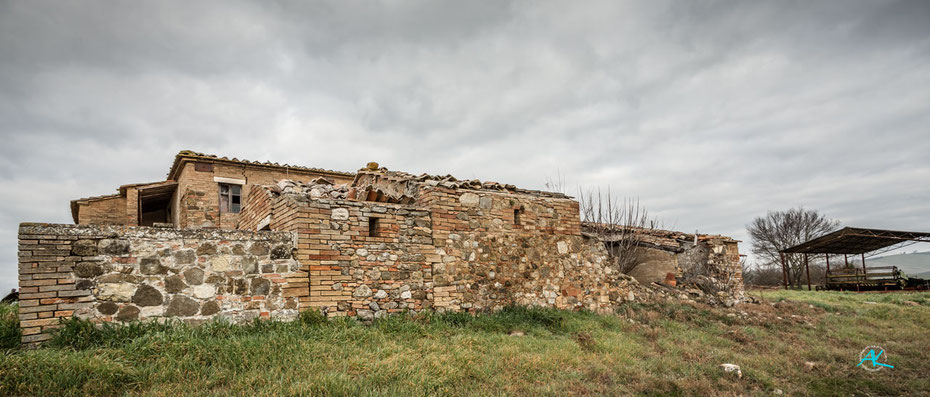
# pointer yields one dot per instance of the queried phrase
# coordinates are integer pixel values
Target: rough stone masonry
(388, 242)
(120, 273)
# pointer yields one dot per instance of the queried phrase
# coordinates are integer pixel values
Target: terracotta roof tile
(189, 154)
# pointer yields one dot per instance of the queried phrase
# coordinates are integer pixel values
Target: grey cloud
(709, 112)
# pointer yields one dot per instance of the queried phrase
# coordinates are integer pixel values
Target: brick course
(101, 211)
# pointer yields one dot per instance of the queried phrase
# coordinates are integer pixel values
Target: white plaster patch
(340, 214)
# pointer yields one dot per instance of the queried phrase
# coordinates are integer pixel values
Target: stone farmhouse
(239, 240)
(201, 191)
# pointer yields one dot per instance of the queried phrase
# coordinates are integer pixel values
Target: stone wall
(119, 273)
(354, 271)
(391, 242)
(499, 249)
(455, 249)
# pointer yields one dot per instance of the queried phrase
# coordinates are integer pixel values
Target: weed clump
(79, 334)
(10, 333)
(312, 317)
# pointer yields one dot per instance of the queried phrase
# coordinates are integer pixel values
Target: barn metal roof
(854, 240)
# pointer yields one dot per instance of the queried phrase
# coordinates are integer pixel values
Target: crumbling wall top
(146, 232)
(404, 187)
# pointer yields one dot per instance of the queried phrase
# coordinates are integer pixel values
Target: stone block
(469, 199)
(281, 251)
(260, 248)
(210, 308)
(128, 313)
(204, 291)
(114, 247)
(185, 257)
(224, 263)
(362, 291)
(117, 292)
(193, 276)
(182, 306)
(147, 295)
(152, 266)
(249, 265)
(88, 269)
(84, 248)
(260, 286)
(206, 249)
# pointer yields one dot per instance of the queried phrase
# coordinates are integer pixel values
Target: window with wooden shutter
(230, 198)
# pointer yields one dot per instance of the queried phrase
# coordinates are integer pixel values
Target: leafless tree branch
(779, 230)
(616, 223)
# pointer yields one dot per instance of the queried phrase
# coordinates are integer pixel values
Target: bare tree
(767, 275)
(779, 230)
(618, 223)
(556, 184)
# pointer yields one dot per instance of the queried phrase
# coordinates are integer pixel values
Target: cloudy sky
(711, 113)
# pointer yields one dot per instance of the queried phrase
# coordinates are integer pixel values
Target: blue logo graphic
(869, 355)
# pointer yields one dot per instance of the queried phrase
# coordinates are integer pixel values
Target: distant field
(648, 349)
(916, 264)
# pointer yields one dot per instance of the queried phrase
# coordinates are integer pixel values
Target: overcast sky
(711, 113)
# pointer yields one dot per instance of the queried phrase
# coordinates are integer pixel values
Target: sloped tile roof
(192, 155)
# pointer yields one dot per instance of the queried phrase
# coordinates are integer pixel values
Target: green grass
(10, 333)
(647, 349)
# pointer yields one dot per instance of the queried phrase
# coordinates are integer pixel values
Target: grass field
(648, 349)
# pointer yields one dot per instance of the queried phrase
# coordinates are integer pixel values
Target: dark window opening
(372, 227)
(154, 211)
(203, 167)
(230, 198)
(516, 216)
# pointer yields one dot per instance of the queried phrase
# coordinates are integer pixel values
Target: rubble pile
(701, 289)
(451, 182)
(317, 188)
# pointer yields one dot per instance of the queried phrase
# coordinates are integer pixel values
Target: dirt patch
(585, 341)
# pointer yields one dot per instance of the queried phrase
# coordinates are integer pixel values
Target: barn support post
(826, 276)
(808, 270)
(864, 271)
(784, 269)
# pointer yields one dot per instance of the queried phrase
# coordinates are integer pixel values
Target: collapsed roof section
(319, 188)
(378, 184)
(666, 240)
